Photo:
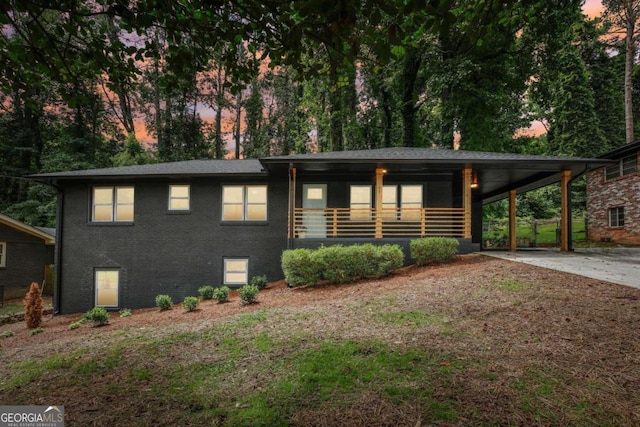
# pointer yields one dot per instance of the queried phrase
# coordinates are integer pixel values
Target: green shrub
(98, 315)
(430, 250)
(125, 312)
(37, 330)
(75, 325)
(248, 294)
(221, 294)
(6, 334)
(299, 268)
(190, 303)
(340, 264)
(206, 292)
(164, 302)
(259, 281)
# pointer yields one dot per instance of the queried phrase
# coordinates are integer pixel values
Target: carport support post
(512, 220)
(565, 210)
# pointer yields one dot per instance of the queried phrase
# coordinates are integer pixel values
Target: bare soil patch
(519, 323)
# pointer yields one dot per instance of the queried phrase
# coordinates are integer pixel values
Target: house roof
(498, 173)
(184, 168)
(46, 234)
(621, 151)
(413, 154)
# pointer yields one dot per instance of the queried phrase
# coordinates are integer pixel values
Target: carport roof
(497, 173)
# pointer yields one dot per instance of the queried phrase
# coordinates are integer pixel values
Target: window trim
(225, 271)
(114, 205)
(246, 203)
(174, 198)
(98, 270)
(618, 222)
(3, 254)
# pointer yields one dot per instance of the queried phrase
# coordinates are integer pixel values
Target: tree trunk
(628, 82)
(409, 76)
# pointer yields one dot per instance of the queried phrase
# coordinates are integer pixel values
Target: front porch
(317, 223)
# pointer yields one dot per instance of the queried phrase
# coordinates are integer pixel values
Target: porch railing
(391, 222)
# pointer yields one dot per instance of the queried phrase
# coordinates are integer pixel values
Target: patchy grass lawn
(481, 342)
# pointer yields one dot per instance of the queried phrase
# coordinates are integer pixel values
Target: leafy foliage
(221, 294)
(164, 301)
(190, 303)
(248, 294)
(98, 315)
(206, 292)
(339, 264)
(259, 281)
(431, 250)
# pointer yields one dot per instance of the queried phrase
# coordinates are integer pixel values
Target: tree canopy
(113, 82)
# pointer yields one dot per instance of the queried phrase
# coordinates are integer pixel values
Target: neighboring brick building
(613, 196)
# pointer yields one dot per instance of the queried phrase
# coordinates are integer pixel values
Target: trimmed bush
(190, 303)
(206, 292)
(164, 302)
(259, 281)
(340, 264)
(33, 307)
(98, 315)
(221, 294)
(431, 250)
(125, 312)
(248, 294)
(299, 268)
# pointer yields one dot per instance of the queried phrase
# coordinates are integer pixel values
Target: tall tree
(624, 15)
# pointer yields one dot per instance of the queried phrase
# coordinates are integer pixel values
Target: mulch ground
(512, 317)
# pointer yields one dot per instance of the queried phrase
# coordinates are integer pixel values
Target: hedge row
(431, 250)
(339, 264)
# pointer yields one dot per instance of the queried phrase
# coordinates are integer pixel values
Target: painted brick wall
(25, 260)
(603, 195)
(162, 252)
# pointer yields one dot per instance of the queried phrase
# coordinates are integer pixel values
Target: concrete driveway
(615, 265)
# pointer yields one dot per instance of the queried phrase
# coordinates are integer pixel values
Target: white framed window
(236, 271)
(625, 166)
(179, 197)
(3, 254)
(408, 199)
(360, 202)
(112, 204)
(107, 283)
(244, 203)
(616, 217)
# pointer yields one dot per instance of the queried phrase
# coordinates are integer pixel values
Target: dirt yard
(507, 316)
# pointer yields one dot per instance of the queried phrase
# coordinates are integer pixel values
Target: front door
(314, 220)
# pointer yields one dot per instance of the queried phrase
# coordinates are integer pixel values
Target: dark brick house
(128, 234)
(613, 197)
(24, 253)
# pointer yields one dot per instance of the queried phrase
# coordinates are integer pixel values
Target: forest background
(100, 83)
